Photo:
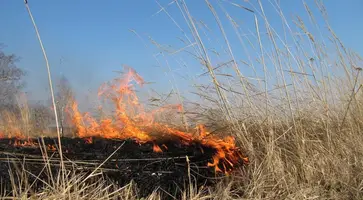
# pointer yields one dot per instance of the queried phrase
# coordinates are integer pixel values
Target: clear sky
(88, 40)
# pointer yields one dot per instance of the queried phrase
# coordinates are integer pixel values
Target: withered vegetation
(296, 113)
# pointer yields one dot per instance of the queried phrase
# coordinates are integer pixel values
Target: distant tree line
(10, 79)
(41, 115)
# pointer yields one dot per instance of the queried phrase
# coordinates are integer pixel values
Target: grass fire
(152, 154)
(181, 99)
(141, 127)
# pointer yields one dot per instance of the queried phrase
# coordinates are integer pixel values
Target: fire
(51, 147)
(89, 140)
(157, 149)
(130, 121)
(12, 129)
(25, 143)
(30, 143)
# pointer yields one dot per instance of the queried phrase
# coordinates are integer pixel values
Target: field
(289, 129)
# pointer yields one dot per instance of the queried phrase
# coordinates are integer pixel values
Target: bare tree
(42, 116)
(10, 79)
(64, 97)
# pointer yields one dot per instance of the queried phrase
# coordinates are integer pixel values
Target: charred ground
(167, 171)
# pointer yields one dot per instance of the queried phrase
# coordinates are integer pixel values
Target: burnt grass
(165, 171)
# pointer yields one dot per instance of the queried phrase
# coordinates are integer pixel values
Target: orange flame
(89, 140)
(130, 121)
(30, 143)
(25, 143)
(157, 149)
(51, 147)
(12, 128)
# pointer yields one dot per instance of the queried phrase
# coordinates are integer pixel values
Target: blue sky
(88, 40)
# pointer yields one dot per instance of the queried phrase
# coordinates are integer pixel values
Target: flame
(157, 149)
(31, 143)
(89, 140)
(130, 121)
(25, 143)
(51, 147)
(12, 126)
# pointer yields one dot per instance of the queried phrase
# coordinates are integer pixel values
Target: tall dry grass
(299, 115)
(303, 134)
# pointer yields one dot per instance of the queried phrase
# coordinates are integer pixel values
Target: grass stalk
(51, 88)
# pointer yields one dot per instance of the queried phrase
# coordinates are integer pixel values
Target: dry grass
(299, 117)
